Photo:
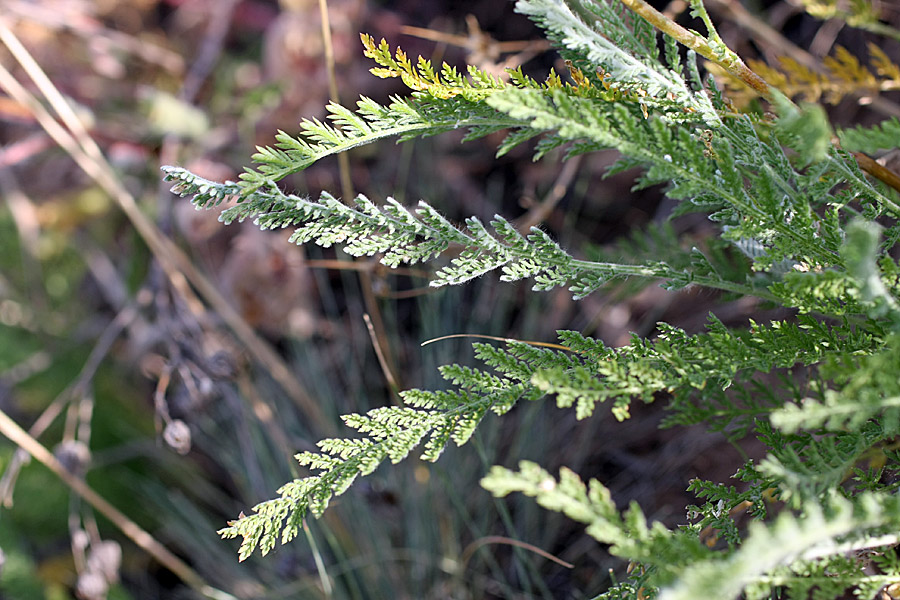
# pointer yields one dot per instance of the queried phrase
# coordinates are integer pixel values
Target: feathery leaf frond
(881, 136)
(795, 222)
(782, 552)
(404, 236)
(842, 75)
(402, 118)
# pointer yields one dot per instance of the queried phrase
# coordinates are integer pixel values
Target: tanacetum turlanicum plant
(803, 220)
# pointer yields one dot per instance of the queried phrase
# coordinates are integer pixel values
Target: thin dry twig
(76, 389)
(496, 339)
(178, 268)
(362, 265)
(497, 539)
(541, 211)
(375, 323)
(91, 30)
(411, 293)
(210, 49)
(484, 51)
(737, 68)
(144, 540)
(379, 352)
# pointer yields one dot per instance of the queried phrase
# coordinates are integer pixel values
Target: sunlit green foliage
(796, 223)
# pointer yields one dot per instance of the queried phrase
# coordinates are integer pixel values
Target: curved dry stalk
(378, 344)
(143, 539)
(542, 210)
(496, 339)
(499, 539)
(78, 143)
(74, 390)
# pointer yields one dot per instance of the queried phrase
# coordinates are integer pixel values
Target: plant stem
(729, 61)
(870, 166)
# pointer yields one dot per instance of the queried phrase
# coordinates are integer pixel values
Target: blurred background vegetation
(179, 379)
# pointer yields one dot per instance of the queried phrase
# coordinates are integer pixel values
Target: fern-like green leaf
(405, 236)
(839, 526)
(881, 136)
(402, 118)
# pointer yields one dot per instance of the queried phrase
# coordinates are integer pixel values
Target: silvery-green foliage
(882, 136)
(799, 225)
